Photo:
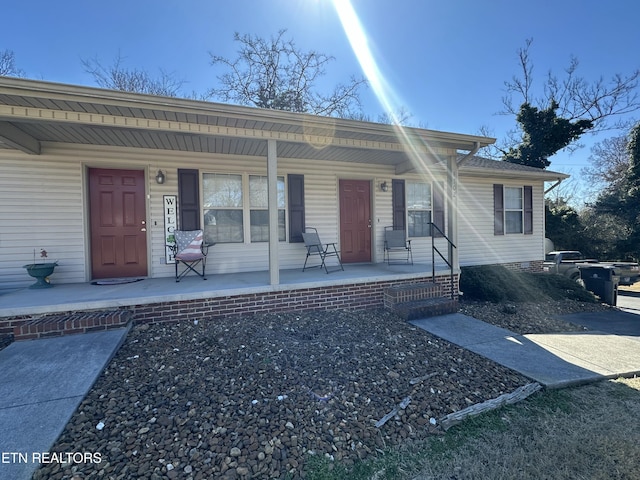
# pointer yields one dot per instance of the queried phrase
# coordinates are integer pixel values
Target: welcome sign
(170, 218)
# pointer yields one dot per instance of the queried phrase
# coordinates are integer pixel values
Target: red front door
(118, 223)
(355, 221)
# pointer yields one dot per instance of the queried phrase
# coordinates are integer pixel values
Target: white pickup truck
(566, 262)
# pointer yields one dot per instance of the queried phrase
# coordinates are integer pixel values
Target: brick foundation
(70, 323)
(339, 297)
(530, 266)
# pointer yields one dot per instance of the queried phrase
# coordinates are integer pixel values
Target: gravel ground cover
(256, 397)
(531, 317)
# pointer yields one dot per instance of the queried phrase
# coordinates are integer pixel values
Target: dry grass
(587, 432)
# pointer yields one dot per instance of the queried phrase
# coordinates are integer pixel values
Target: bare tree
(117, 77)
(400, 116)
(577, 98)
(556, 116)
(609, 161)
(8, 66)
(275, 74)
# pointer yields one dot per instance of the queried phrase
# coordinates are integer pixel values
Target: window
(227, 209)
(258, 204)
(513, 209)
(418, 205)
(418, 209)
(223, 217)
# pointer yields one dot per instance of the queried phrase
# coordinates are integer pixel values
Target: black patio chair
(322, 250)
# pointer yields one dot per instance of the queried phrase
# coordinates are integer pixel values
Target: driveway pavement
(629, 299)
(609, 349)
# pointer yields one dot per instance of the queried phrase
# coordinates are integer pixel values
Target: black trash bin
(602, 281)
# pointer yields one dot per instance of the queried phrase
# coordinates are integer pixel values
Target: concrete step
(431, 307)
(71, 323)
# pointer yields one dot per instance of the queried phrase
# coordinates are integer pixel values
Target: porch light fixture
(160, 177)
(384, 187)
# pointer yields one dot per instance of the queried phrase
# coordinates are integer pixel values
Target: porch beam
(18, 139)
(272, 189)
(31, 114)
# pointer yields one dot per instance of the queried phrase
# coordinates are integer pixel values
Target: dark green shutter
(399, 204)
(189, 199)
(438, 208)
(528, 210)
(296, 207)
(498, 209)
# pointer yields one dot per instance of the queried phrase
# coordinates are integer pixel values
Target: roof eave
(37, 88)
(546, 175)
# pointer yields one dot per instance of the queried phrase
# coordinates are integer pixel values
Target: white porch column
(452, 210)
(272, 186)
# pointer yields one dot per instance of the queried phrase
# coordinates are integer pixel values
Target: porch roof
(35, 112)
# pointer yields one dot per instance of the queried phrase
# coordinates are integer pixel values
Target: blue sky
(444, 61)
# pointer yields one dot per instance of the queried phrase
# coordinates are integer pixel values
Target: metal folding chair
(397, 244)
(322, 250)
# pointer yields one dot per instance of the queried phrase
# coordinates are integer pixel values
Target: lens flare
(416, 148)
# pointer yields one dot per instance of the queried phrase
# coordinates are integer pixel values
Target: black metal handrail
(435, 250)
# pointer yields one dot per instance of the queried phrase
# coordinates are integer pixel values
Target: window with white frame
(259, 213)
(223, 208)
(418, 209)
(513, 209)
(227, 209)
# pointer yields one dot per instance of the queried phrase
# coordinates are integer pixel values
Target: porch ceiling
(32, 113)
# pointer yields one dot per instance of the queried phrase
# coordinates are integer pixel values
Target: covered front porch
(268, 175)
(223, 295)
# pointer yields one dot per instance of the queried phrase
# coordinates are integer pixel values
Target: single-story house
(99, 179)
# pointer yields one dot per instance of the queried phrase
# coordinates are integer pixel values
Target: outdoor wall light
(383, 186)
(160, 177)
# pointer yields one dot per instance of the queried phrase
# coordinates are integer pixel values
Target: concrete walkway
(42, 382)
(554, 360)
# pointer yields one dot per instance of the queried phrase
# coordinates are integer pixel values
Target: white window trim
(506, 210)
(246, 205)
(409, 209)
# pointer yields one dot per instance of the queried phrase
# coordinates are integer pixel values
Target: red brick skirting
(70, 323)
(349, 297)
(341, 297)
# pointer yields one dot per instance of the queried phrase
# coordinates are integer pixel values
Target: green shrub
(498, 284)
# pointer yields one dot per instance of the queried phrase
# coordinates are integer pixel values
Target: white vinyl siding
(477, 243)
(42, 201)
(44, 206)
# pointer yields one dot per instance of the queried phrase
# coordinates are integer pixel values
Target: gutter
(474, 150)
(558, 182)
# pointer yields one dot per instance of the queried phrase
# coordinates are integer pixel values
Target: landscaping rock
(255, 396)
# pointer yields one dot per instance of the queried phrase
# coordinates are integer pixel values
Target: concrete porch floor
(85, 296)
